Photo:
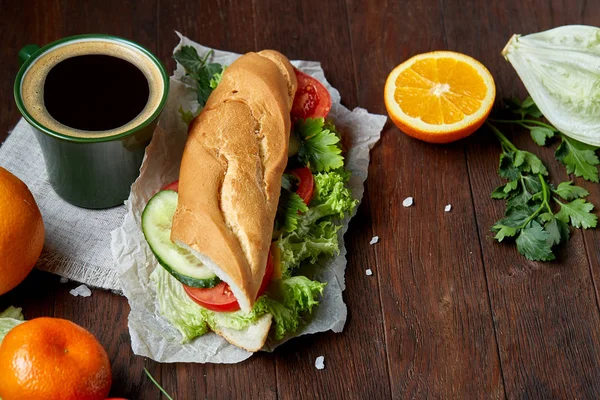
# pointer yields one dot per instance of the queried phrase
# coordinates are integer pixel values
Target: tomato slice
(312, 98)
(220, 298)
(172, 186)
(306, 185)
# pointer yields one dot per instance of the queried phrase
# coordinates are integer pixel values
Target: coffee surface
(95, 92)
(92, 88)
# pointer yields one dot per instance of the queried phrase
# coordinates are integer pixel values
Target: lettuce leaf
(286, 300)
(10, 318)
(332, 197)
(316, 231)
(190, 319)
(309, 243)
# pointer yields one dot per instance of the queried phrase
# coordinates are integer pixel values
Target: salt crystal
(448, 207)
(320, 362)
(82, 291)
(64, 280)
(369, 272)
(407, 202)
(374, 240)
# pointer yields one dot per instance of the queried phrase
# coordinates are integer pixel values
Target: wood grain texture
(439, 332)
(546, 315)
(448, 313)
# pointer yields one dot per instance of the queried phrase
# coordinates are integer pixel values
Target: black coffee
(95, 92)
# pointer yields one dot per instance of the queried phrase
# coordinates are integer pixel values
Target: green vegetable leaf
(529, 162)
(535, 243)
(206, 75)
(515, 217)
(188, 57)
(331, 196)
(9, 318)
(539, 134)
(307, 244)
(186, 116)
(568, 191)
(524, 109)
(579, 158)
(504, 191)
(290, 209)
(289, 182)
(506, 168)
(557, 230)
(579, 213)
(504, 231)
(319, 147)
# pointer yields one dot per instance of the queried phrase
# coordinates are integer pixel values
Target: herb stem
(545, 193)
(522, 122)
(503, 140)
(157, 385)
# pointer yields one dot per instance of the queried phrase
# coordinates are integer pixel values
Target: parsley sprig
(530, 218)
(578, 158)
(205, 75)
(320, 146)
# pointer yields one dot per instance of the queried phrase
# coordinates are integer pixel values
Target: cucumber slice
(157, 220)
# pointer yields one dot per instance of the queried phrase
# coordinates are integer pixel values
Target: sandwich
(261, 193)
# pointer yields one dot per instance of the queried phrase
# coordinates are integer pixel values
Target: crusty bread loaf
(231, 170)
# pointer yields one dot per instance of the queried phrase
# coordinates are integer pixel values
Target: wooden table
(448, 313)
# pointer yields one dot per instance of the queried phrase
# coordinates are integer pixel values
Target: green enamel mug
(93, 102)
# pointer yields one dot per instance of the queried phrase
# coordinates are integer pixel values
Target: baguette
(230, 177)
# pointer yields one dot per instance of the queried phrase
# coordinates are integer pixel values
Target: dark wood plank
(308, 30)
(226, 25)
(439, 330)
(40, 22)
(546, 315)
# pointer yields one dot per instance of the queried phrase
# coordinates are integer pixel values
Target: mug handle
(26, 52)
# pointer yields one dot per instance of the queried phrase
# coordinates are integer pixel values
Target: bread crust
(230, 176)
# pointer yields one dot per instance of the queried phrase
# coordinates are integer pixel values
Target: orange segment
(439, 97)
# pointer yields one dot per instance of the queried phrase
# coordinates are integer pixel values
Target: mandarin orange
(21, 231)
(52, 359)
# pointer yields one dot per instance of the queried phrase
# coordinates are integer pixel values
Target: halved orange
(439, 97)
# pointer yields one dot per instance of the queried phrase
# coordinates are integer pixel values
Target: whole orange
(21, 231)
(51, 359)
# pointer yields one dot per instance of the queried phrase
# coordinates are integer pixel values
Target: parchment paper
(153, 336)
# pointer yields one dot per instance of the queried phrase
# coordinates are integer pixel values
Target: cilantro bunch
(537, 214)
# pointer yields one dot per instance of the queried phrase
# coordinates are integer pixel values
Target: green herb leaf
(206, 75)
(290, 208)
(539, 134)
(504, 191)
(186, 116)
(557, 230)
(579, 158)
(319, 147)
(529, 162)
(568, 191)
(189, 59)
(289, 182)
(579, 213)
(535, 243)
(524, 109)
